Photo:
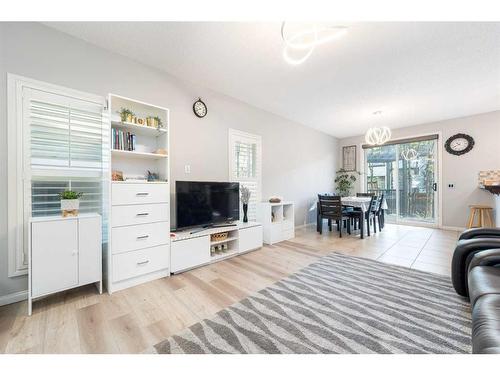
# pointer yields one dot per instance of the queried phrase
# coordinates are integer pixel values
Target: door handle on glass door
(435, 186)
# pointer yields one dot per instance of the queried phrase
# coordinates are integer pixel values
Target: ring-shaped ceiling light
(377, 136)
(299, 45)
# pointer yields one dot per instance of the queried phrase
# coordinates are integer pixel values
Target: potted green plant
(70, 201)
(126, 115)
(158, 123)
(345, 181)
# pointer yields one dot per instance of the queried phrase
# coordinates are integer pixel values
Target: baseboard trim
(458, 229)
(13, 298)
(304, 225)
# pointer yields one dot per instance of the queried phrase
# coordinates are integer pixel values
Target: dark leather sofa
(476, 274)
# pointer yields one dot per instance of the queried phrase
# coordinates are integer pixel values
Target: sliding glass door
(406, 173)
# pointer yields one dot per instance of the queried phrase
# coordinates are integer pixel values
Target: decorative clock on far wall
(200, 108)
(459, 144)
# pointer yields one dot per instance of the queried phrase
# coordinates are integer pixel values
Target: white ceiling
(413, 72)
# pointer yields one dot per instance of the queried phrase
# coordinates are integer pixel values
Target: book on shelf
(123, 140)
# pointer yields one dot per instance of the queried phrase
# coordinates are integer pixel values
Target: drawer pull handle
(143, 214)
(143, 262)
(143, 237)
(142, 194)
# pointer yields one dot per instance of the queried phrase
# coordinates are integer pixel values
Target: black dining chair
(370, 214)
(330, 208)
(379, 212)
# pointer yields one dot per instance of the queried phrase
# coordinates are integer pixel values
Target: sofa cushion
(486, 325)
(483, 280)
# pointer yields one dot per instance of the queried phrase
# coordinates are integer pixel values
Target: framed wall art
(349, 158)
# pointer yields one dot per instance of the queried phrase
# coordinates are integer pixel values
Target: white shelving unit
(139, 211)
(277, 221)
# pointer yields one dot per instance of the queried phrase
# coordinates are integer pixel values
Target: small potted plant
(158, 123)
(245, 198)
(70, 202)
(126, 115)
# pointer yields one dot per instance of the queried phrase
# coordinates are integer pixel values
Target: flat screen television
(206, 203)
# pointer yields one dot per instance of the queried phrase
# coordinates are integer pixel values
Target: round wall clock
(459, 144)
(200, 108)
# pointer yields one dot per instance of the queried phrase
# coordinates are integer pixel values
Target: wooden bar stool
(484, 216)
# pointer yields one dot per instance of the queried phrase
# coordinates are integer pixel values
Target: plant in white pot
(70, 202)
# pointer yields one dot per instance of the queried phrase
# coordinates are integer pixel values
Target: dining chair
(330, 207)
(370, 214)
(380, 212)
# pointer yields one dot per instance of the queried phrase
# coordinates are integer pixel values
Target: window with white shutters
(57, 141)
(245, 161)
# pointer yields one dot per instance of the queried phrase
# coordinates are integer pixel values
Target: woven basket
(218, 236)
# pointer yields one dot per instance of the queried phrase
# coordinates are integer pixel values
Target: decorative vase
(70, 207)
(245, 210)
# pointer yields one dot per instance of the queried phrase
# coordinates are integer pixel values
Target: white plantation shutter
(64, 133)
(245, 161)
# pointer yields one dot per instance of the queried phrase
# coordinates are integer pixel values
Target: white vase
(70, 204)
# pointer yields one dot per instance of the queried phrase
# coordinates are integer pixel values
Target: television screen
(205, 203)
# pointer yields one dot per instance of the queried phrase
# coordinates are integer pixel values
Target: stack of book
(123, 140)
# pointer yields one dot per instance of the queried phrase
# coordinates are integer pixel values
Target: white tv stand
(191, 248)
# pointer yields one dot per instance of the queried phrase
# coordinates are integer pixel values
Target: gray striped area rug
(340, 304)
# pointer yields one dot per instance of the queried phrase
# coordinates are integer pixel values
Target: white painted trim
(17, 175)
(13, 298)
(302, 226)
(458, 229)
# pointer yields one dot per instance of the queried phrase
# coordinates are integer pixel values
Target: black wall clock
(200, 108)
(459, 144)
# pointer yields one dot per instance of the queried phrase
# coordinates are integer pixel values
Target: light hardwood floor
(132, 320)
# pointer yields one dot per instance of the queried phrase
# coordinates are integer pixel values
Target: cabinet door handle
(143, 237)
(143, 262)
(141, 194)
(143, 214)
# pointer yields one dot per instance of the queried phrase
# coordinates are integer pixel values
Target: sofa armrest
(485, 258)
(462, 256)
(480, 233)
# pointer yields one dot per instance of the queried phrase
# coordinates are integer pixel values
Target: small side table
(484, 216)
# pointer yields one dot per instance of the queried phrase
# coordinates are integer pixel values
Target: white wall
(298, 162)
(462, 171)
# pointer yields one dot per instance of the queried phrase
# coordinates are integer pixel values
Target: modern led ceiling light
(301, 40)
(377, 136)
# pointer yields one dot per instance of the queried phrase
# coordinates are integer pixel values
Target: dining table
(363, 204)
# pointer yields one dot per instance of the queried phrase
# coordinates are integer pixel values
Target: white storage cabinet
(64, 253)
